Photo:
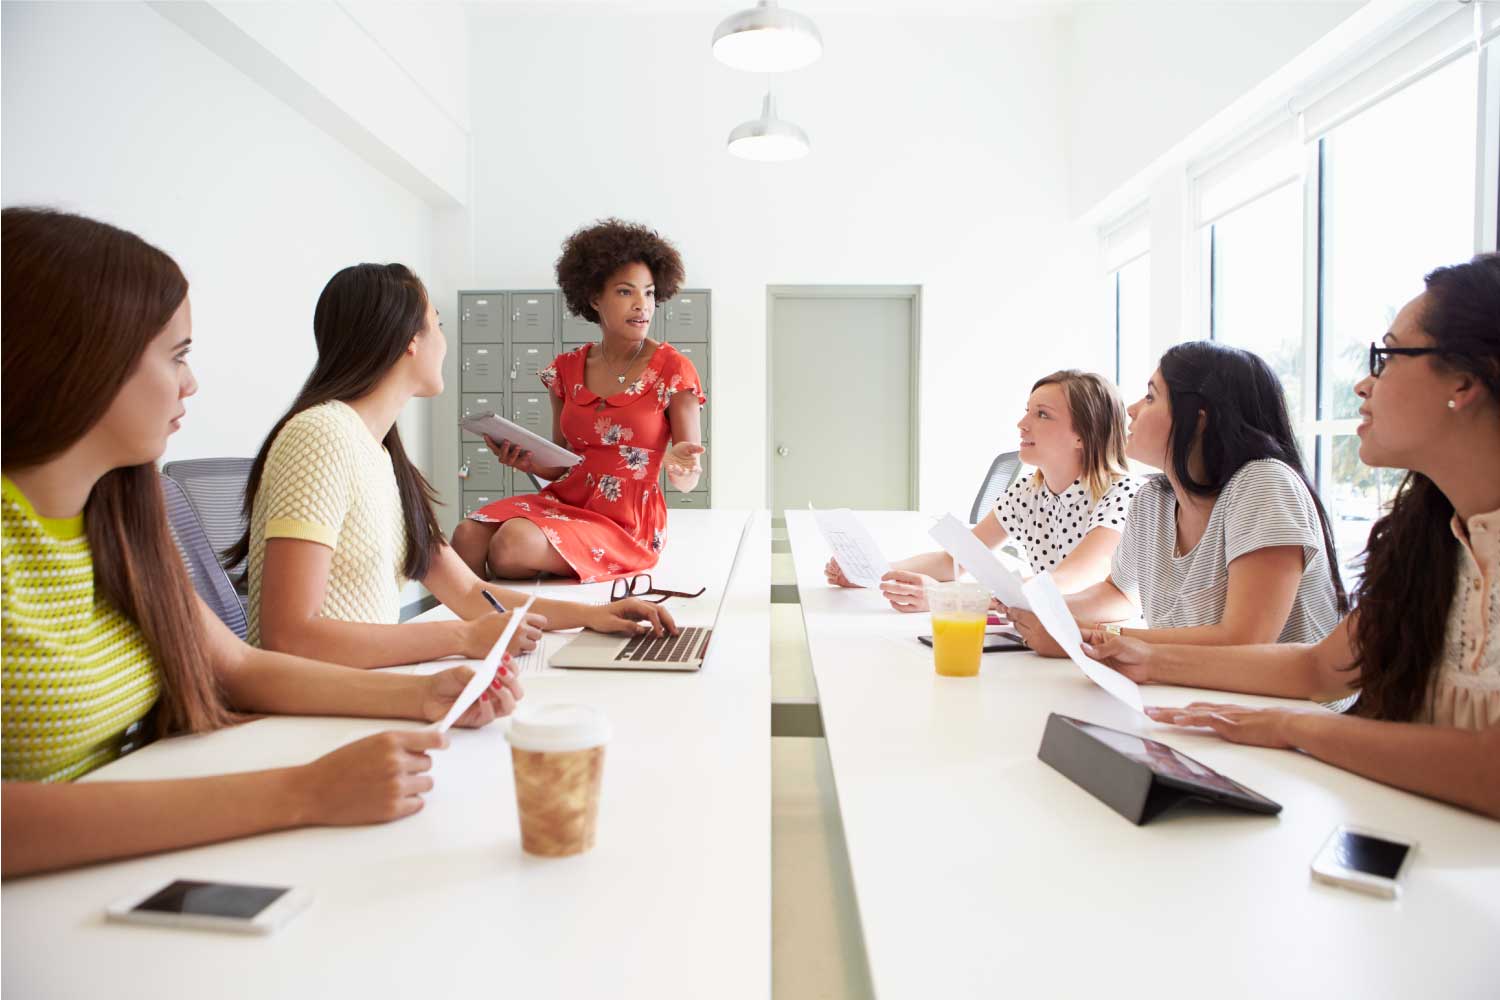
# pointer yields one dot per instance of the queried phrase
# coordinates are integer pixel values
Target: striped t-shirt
(77, 673)
(1264, 504)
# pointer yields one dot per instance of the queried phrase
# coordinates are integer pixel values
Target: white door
(843, 397)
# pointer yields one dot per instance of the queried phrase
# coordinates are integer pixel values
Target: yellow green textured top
(76, 672)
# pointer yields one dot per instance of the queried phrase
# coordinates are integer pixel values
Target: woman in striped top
(1423, 647)
(1230, 544)
(1068, 516)
(104, 640)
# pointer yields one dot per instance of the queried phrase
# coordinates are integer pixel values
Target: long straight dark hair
(364, 320)
(1245, 418)
(1411, 561)
(83, 300)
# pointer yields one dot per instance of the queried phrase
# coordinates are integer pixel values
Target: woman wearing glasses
(1423, 647)
(339, 517)
(628, 405)
(1230, 544)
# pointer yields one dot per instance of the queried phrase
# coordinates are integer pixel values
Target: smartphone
(1363, 860)
(218, 906)
(994, 642)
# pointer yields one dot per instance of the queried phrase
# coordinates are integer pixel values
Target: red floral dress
(606, 515)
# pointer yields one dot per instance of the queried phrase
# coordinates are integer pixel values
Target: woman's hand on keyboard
(480, 634)
(625, 618)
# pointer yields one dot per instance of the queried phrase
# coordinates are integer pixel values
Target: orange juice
(957, 639)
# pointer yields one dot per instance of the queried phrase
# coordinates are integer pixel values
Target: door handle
(783, 451)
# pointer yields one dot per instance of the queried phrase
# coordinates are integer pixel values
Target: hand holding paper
(484, 674)
(858, 555)
(1051, 608)
(959, 542)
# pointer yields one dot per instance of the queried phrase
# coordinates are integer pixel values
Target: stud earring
(1452, 405)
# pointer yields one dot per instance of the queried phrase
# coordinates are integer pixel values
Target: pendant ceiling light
(767, 39)
(768, 137)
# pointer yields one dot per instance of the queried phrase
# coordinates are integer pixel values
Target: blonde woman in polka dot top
(105, 643)
(1068, 516)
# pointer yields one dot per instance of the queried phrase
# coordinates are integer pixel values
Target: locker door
(471, 403)
(533, 316)
(485, 471)
(576, 330)
(526, 364)
(698, 354)
(483, 368)
(482, 318)
(686, 317)
(533, 411)
(474, 501)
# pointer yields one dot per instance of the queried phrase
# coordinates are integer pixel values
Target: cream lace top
(1466, 691)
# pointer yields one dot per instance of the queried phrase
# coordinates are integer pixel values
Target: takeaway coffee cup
(557, 752)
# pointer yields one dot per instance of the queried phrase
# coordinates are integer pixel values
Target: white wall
(938, 159)
(112, 111)
(1144, 74)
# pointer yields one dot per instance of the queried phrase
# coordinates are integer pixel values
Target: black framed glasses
(1380, 355)
(641, 586)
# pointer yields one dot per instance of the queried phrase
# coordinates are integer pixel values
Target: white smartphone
(218, 906)
(1364, 860)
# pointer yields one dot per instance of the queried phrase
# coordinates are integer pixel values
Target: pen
(499, 608)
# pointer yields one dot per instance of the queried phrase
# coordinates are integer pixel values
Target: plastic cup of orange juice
(958, 616)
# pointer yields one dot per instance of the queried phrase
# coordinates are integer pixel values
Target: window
(1132, 313)
(1374, 249)
(1255, 279)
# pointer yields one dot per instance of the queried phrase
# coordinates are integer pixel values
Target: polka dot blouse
(1050, 525)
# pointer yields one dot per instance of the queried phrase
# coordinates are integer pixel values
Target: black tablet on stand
(1136, 777)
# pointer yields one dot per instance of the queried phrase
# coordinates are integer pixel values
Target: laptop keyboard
(685, 645)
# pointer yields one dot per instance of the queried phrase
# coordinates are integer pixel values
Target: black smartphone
(994, 642)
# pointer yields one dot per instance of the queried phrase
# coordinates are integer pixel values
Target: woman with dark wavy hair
(106, 645)
(1230, 544)
(1422, 648)
(628, 405)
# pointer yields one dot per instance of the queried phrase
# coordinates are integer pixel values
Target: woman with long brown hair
(339, 516)
(105, 643)
(1422, 648)
(1068, 516)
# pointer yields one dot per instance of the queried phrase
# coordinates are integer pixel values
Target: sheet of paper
(485, 672)
(1049, 605)
(959, 542)
(858, 555)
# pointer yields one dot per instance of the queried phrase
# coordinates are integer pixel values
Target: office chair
(216, 489)
(202, 562)
(1003, 472)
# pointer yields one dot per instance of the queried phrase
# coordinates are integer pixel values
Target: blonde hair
(1098, 415)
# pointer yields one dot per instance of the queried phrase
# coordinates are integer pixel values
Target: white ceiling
(991, 8)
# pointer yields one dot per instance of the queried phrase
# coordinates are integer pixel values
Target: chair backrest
(202, 561)
(1003, 471)
(216, 489)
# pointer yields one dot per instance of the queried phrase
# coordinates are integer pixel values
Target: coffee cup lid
(558, 728)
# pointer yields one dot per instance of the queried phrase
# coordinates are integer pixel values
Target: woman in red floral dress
(628, 404)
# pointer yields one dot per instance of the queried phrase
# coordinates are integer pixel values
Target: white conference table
(981, 871)
(674, 900)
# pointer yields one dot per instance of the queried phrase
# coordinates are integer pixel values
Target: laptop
(596, 651)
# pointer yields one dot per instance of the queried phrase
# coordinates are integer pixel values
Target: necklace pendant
(620, 379)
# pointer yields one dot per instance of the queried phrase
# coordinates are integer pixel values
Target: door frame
(913, 296)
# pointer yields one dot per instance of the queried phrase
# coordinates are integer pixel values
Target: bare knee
(471, 540)
(514, 550)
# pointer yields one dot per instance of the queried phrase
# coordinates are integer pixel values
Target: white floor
(817, 950)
